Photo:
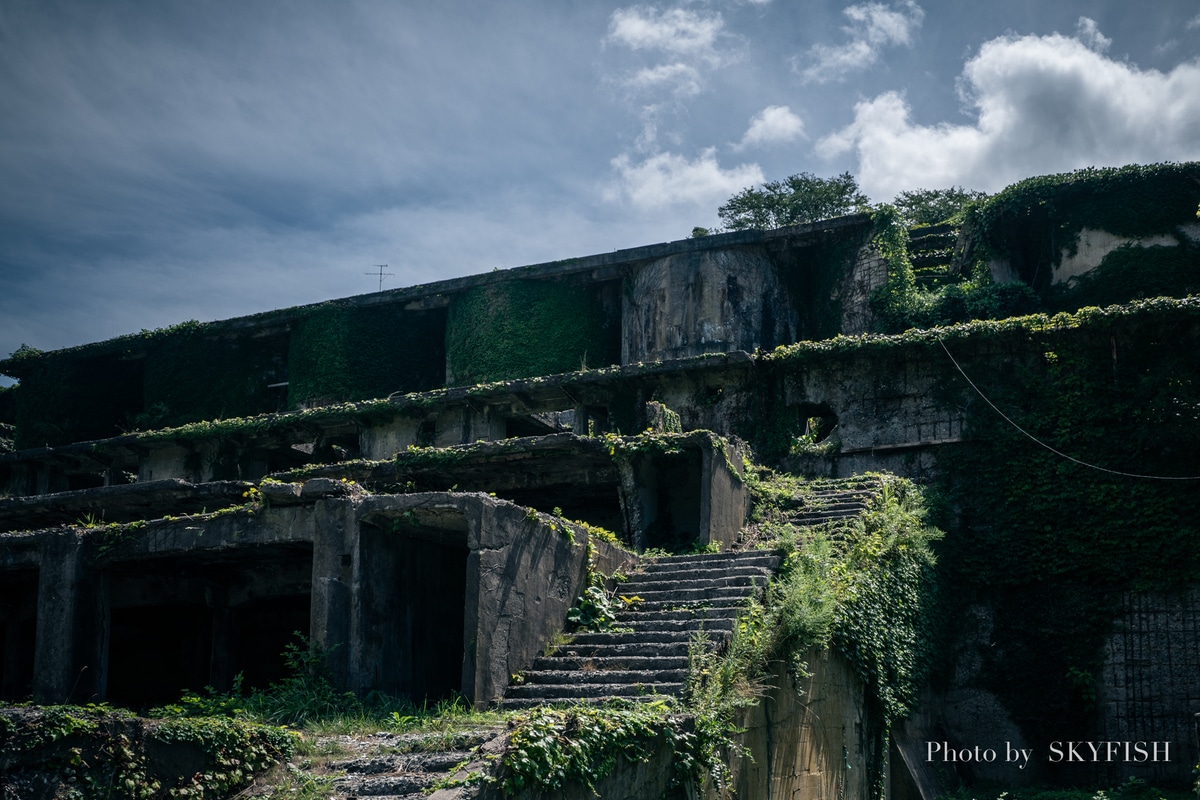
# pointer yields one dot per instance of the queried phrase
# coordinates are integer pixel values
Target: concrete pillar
(722, 494)
(71, 653)
(332, 624)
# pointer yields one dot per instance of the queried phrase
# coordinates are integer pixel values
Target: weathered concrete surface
(710, 301)
(69, 654)
(723, 497)
(113, 504)
(1149, 687)
(808, 740)
(527, 572)
(375, 561)
(1093, 245)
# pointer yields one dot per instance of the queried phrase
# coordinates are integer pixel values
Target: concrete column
(332, 624)
(70, 656)
(722, 496)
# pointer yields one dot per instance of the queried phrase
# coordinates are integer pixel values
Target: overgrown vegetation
(339, 352)
(1029, 226)
(864, 586)
(549, 748)
(92, 752)
(523, 328)
(1053, 545)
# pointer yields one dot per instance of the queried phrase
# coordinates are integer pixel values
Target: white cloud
(681, 80)
(1088, 32)
(1043, 104)
(872, 27)
(666, 179)
(1193, 23)
(675, 30)
(772, 125)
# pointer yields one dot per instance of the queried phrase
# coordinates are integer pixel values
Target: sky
(167, 160)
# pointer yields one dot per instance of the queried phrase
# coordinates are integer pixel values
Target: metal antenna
(381, 274)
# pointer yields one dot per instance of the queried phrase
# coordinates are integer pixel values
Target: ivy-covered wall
(63, 399)
(341, 352)
(1031, 223)
(1050, 544)
(524, 328)
(191, 374)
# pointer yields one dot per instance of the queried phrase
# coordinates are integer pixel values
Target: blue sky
(168, 160)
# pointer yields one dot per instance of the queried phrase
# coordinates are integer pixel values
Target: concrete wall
(808, 740)
(710, 301)
(1149, 688)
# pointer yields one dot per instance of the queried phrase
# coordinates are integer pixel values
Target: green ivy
(189, 376)
(1051, 545)
(340, 352)
(524, 328)
(1031, 222)
(94, 752)
(550, 748)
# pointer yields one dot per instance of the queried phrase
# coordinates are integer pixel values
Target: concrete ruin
(428, 517)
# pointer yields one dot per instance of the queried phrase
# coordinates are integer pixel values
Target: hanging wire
(1039, 442)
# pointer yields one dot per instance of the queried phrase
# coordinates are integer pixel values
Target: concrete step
(676, 625)
(599, 664)
(574, 690)
(639, 615)
(669, 582)
(597, 676)
(632, 637)
(515, 703)
(693, 573)
(697, 594)
(719, 606)
(625, 649)
(713, 560)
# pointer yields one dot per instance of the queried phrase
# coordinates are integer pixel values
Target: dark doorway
(155, 652)
(18, 632)
(415, 595)
(669, 493)
(181, 624)
(260, 630)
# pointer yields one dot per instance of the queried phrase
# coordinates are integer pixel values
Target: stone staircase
(407, 766)
(648, 655)
(833, 500)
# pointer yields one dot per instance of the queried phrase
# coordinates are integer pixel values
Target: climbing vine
(341, 352)
(523, 328)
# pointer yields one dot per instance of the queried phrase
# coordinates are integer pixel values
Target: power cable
(1039, 442)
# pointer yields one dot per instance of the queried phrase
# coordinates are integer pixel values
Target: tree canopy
(931, 206)
(796, 200)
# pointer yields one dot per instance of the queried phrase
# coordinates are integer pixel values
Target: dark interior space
(186, 623)
(816, 421)
(84, 480)
(596, 504)
(415, 588)
(155, 652)
(260, 631)
(528, 425)
(670, 498)
(18, 632)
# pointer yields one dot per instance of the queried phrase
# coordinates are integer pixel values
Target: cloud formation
(873, 26)
(1042, 104)
(667, 179)
(676, 30)
(1088, 32)
(772, 125)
